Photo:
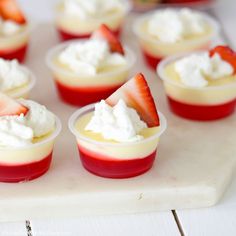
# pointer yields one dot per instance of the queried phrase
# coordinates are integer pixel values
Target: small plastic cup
(80, 90)
(26, 163)
(115, 160)
(154, 50)
(73, 27)
(203, 104)
(23, 91)
(15, 46)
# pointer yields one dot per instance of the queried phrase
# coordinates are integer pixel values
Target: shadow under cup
(115, 160)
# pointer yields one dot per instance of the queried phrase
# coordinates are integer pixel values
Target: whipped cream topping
(9, 27)
(171, 25)
(197, 69)
(119, 123)
(90, 56)
(19, 131)
(12, 75)
(92, 8)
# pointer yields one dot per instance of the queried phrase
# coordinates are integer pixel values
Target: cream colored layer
(204, 96)
(131, 151)
(15, 41)
(25, 155)
(160, 49)
(16, 93)
(75, 25)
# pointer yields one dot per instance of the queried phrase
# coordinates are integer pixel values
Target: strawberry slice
(10, 107)
(9, 10)
(103, 32)
(226, 53)
(137, 95)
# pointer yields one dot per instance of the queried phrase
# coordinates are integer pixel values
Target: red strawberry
(9, 10)
(105, 33)
(10, 107)
(226, 53)
(137, 95)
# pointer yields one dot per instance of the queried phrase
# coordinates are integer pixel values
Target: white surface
(13, 229)
(185, 174)
(162, 224)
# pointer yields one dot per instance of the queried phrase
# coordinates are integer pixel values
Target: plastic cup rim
(74, 117)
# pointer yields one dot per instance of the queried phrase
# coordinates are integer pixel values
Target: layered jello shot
(86, 71)
(27, 134)
(14, 31)
(165, 32)
(16, 80)
(79, 18)
(201, 85)
(118, 137)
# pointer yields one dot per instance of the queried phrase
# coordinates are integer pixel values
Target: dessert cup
(71, 27)
(19, 164)
(112, 159)
(80, 90)
(154, 50)
(15, 46)
(23, 91)
(203, 104)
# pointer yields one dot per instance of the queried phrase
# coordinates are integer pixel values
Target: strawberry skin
(103, 32)
(10, 107)
(9, 10)
(226, 53)
(137, 95)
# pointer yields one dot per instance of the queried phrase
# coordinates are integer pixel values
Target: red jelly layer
(201, 112)
(24, 172)
(83, 96)
(18, 53)
(151, 61)
(67, 36)
(116, 169)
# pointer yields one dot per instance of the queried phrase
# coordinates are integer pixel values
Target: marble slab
(194, 166)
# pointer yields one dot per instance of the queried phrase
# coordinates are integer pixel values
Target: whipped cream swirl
(119, 123)
(9, 27)
(12, 75)
(19, 131)
(197, 69)
(92, 8)
(171, 25)
(90, 56)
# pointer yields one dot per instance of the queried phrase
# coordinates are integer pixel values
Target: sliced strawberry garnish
(10, 107)
(226, 53)
(137, 95)
(104, 32)
(9, 10)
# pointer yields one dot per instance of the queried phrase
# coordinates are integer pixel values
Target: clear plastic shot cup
(155, 50)
(79, 90)
(206, 103)
(113, 159)
(19, 164)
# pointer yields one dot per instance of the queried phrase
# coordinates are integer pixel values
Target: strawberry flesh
(9, 10)
(137, 95)
(226, 53)
(10, 107)
(103, 32)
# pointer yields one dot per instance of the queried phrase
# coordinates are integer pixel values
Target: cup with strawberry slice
(79, 19)
(27, 134)
(118, 137)
(14, 31)
(201, 85)
(86, 71)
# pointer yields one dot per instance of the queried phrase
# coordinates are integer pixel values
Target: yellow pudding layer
(96, 143)
(108, 76)
(156, 48)
(217, 92)
(76, 25)
(13, 42)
